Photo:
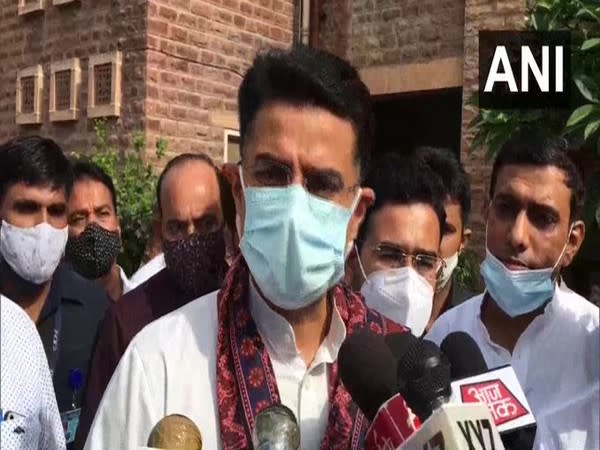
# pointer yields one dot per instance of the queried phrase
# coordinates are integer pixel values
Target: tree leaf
(591, 128)
(587, 86)
(590, 43)
(579, 114)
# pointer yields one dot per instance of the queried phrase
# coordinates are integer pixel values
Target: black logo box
(501, 97)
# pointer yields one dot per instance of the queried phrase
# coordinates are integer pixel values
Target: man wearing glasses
(272, 333)
(398, 262)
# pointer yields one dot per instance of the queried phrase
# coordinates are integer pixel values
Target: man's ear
(367, 197)
(466, 235)
(574, 243)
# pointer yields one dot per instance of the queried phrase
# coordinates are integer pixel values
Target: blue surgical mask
(518, 292)
(294, 243)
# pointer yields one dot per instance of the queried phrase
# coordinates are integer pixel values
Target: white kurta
(148, 270)
(31, 420)
(170, 368)
(557, 362)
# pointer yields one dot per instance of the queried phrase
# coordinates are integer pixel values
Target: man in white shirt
(273, 331)
(525, 317)
(94, 230)
(148, 270)
(29, 417)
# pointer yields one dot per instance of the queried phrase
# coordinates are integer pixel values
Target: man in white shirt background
(94, 232)
(29, 417)
(527, 317)
(273, 331)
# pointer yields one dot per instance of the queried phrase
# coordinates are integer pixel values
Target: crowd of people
(267, 265)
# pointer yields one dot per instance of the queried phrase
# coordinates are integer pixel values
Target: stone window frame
(72, 113)
(62, 2)
(26, 8)
(35, 117)
(114, 108)
(227, 133)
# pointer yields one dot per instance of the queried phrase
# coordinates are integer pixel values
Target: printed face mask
(33, 253)
(197, 262)
(94, 251)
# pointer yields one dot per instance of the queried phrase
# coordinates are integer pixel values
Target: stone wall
(77, 29)
(387, 32)
(198, 51)
(481, 15)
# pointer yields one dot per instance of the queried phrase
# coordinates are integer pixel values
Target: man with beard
(196, 211)
(94, 232)
(35, 183)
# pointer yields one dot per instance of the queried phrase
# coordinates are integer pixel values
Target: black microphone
(464, 355)
(276, 428)
(425, 375)
(368, 370)
(467, 361)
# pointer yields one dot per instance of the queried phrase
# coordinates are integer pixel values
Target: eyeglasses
(392, 257)
(324, 183)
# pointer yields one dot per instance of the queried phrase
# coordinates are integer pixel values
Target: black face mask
(196, 263)
(94, 251)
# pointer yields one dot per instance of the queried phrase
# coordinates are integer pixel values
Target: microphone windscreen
(464, 355)
(368, 370)
(175, 432)
(276, 428)
(425, 375)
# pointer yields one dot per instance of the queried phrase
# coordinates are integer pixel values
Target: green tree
(135, 183)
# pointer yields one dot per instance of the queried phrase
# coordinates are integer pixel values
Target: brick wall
(385, 32)
(72, 30)
(481, 15)
(198, 51)
(335, 26)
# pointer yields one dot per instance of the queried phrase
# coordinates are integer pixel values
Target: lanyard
(54, 348)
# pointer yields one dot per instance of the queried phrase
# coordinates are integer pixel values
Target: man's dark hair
(227, 203)
(533, 148)
(403, 180)
(87, 170)
(35, 161)
(303, 76)
(452, 174)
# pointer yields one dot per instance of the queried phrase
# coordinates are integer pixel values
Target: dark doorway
(431, 118)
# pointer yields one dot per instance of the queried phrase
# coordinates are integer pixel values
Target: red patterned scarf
(245, 379)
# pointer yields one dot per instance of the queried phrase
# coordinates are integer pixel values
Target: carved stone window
(30, 88)
(104, 85)
(65, 84)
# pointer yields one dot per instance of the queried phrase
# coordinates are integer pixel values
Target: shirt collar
(278, 334)
(127, 285)
(541, 321)
(60, 291)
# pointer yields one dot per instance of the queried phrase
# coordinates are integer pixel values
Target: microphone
(498, 388)
(427, 373)
(276, 428)
(175, 432)
(368, 370)
(464, 355)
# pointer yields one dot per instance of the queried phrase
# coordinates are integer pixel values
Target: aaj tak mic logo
(524, 69)
(500, 390)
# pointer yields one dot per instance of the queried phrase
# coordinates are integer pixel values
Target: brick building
(171, 68)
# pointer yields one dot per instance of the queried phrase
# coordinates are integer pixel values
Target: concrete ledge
(397, 78)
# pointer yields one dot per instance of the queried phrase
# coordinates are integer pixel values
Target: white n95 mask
(402, 295)
(33, 253)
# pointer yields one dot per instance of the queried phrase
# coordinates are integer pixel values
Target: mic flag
(393, 424)
(175, 432)
(500, 390)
